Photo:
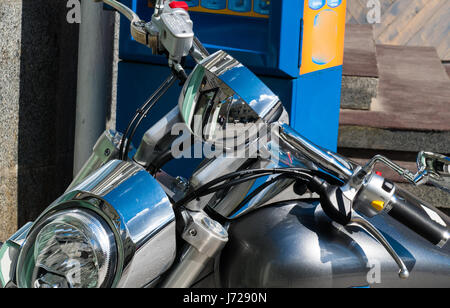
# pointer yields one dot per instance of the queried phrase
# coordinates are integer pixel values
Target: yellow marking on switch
(378, 205)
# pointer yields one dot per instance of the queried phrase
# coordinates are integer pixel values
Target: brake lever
(358, 221)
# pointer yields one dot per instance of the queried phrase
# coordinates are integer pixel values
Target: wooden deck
(414, 92)
(408, 22)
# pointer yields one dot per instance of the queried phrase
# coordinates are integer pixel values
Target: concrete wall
(38, 74)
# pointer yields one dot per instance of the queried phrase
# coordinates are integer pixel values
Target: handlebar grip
(422, 219)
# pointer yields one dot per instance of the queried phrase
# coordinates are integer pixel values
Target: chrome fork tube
(187, 271)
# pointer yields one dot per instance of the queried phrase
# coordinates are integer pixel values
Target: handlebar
(421, 218)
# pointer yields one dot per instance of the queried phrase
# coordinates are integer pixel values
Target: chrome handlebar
(289, 140)
(123, 9)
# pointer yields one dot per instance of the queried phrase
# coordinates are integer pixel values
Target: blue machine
(294, 46)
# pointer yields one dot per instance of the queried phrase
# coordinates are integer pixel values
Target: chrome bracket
(205, 234)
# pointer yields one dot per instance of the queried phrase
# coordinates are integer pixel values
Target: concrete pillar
(10, 34)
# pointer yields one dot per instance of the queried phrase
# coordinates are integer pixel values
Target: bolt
(192, 232)
(107, 152)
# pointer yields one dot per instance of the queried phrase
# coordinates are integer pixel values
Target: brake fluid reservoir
(240, 5)
(214, 4)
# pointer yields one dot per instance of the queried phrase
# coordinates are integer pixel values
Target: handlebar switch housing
(374, 196)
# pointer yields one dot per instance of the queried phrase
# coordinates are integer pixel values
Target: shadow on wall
(48, 82)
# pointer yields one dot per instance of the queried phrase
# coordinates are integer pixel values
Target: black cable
(246, 175)
(233, 183)
(138, 111)
(143, 110)
(167, 86)
(302, 176)
(260, 188)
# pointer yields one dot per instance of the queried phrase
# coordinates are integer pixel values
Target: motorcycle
(288, 213)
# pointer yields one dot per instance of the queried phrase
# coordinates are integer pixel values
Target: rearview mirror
(434, 169)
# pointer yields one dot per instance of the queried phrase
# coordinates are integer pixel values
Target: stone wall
(38, 74)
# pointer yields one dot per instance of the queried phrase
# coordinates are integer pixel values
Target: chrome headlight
(72, 248)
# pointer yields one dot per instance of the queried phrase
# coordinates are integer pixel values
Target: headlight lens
(71, 249)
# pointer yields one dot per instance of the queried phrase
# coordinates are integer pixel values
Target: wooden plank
(435, 32)
(357, 11)
(446, 56)
(396, 18)
(359, 52)
(387, 17)
(408, 22)
(443, 50)
(386, 4)
(349, 19)
(423, 17)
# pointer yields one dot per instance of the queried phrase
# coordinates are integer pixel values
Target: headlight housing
(115, 229)
(72, 248)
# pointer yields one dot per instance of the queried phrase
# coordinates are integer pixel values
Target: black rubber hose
(141, 113)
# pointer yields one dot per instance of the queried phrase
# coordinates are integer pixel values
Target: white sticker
(434, 216)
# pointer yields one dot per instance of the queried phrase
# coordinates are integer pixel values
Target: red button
(379, 173)
(179, 5)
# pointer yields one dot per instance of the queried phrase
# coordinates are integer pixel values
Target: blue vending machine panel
(263, 34)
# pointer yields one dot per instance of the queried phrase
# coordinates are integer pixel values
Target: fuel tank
(294, 244)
